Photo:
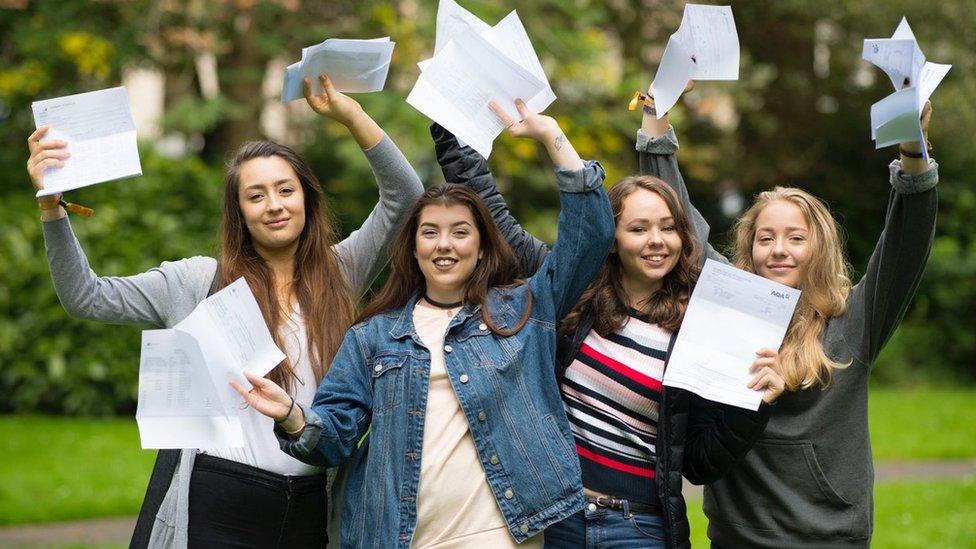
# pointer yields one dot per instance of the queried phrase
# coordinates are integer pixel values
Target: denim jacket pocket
(500, 352)
(388, 389)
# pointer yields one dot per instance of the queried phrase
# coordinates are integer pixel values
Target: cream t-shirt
(455, 506)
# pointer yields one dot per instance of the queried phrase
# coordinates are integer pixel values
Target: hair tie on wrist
(288, 413)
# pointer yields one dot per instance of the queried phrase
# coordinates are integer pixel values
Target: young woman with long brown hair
(808, 482)
(451, 369)
(634, 438)
(279, 234)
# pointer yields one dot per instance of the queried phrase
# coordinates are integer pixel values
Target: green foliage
(54, 363)
(797, 116)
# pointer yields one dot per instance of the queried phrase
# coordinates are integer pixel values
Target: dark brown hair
(326, 302)
(497, 266)
(605, 298)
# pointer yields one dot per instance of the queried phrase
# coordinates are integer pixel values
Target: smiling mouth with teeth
(445, 261)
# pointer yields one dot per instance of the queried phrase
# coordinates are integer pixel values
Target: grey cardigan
(808, 481)
(166, 294)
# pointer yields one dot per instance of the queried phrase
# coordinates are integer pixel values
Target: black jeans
(236, 505)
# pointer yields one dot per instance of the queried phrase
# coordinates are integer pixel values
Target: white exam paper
(705, 47)
(455, 88)
(185, 400)
(895, 118)
(731, 315)
(355, 66)
(101, 138)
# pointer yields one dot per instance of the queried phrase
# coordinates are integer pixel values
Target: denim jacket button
(448, 348)
(509, 494)
(494, 461)
(524, 528)
(482, 326)
(482, 416)
(378, 367)
(464, 378)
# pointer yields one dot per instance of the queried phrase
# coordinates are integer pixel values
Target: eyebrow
(646, 220)
(455, 224)
(788, 229)
(275, 184)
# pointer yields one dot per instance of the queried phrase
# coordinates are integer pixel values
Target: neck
(282, 264)
(638, 293)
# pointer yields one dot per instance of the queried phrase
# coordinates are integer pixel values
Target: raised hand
(331, 103)
(543, 129)
(49, 154)
(767, 379)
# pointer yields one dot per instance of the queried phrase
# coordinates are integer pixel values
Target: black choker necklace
(441, 305)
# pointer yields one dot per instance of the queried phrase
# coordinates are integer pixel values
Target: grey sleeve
(160, 296)
(364, 252)
(657, 156)
(878, 302)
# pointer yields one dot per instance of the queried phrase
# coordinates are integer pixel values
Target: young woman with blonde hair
(634, 438)
(278, 233)
(808, 481)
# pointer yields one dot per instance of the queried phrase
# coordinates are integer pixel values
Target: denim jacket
(506, 387)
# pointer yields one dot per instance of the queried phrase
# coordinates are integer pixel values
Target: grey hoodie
(808, 481)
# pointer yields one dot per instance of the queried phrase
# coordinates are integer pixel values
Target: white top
(261, 449)
(455, 506)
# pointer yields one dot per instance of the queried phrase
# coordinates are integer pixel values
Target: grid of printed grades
(612, 394)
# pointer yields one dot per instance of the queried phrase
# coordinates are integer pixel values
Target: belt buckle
(606, 502)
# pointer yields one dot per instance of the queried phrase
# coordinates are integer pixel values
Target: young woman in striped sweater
(634, 438)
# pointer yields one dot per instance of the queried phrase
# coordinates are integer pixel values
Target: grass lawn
(56, 468)
(907, 515)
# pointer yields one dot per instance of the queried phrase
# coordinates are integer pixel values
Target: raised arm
(879, 301)
(657, 146)
(363, 253)
(462, 164)
(586, 228)
(149, 297)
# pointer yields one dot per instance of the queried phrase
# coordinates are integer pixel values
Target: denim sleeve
(340, 412)
(583, 239)
(879, 301)
(463, 165)
(657, 156)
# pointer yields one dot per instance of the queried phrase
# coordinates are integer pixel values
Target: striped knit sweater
(612, 393)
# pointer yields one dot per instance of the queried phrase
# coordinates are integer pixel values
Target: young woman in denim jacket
(278, 233)
(634, 438)
(808, 482)
(452, 373)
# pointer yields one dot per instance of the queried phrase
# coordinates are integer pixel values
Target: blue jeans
(601, 528)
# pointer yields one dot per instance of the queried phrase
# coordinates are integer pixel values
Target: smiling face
(647, 243)
(781, 246)
(447, 249)
(272, 203)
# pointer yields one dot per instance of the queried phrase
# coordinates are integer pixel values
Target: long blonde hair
(825, 285)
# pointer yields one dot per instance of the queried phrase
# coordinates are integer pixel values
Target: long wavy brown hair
(605, 298)
(497, 266)
(325, 299)
(825, 285)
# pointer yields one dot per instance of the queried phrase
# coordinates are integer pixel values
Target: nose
(654, 238)
(274, 202)
(444, 242)
(779, 247)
